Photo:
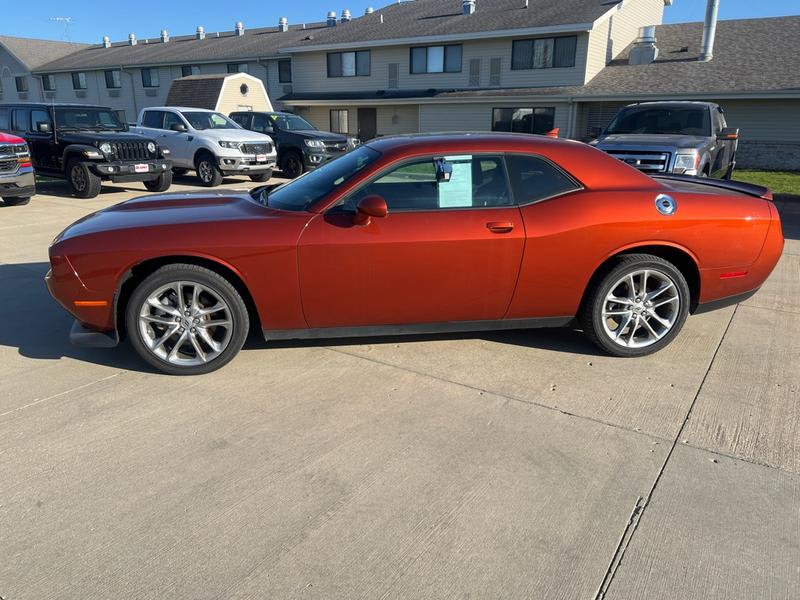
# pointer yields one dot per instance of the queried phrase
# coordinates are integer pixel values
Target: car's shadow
(39, 328)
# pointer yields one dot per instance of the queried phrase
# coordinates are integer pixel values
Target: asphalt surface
(509, 465)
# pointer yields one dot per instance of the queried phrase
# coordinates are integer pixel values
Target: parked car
(17, 183)
(86, 145)
(418, 234)
(688, 138)
(301, 146)
(209, 143)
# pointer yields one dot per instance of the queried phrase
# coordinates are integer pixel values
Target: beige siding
(764, 120)
(478, 117)
(231, 97)
(392, 120)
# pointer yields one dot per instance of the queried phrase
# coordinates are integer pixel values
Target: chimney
(164, 36)
(369, 10)
(469, 7)
(346, 17)
(709, 30)
(283, 24)
(239, 28)
(331, 19)
(132, 39)
(644, 50)
(106, 42)
(201, 33)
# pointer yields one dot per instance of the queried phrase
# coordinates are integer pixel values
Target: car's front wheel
(207, 170)
(637, 307)
(83, 182)
(292, 165)
(186, 320)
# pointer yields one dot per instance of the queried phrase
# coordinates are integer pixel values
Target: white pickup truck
(209, 143)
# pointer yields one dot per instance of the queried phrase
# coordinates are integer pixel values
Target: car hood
(234, 135)
(326, 136)
(642, 140)
(95, 138)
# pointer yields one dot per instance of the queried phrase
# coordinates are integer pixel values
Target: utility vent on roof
(132, 39)
(469, 7)
(106, 42)
(201, 33)
(164, 36)
(394, 76)
(475, 72)
(283, 24)
(239, 28)
(495, 69)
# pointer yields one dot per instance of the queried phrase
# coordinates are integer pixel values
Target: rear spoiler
(759, 191)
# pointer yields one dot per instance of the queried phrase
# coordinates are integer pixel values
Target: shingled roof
(34, 53)
(216, 47)
(198, 91)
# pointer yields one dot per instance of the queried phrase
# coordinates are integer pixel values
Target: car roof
(180, 108)
(53, 105)
(697, 103)
(467, 141)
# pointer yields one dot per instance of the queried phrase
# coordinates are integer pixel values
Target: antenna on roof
(67, 21)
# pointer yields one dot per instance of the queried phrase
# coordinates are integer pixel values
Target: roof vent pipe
(106, 42)
(346, 17)
(369, 10)
(164, 36)
(710, 30)
(644, 49)
(239, 28)
(283, 24)
(331, 19)
(132, 39)
(469, 7)
(201, 33)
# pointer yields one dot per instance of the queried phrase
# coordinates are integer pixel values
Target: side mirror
(43, 127)
(179, 127)
(727, 134)
(369, 207)
(444, 170)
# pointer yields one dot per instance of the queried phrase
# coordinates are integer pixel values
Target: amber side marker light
(91, 303)
(733, 275)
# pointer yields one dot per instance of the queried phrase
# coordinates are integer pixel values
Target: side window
(37, 117)
(19, 121)
(5, 119)
(475, 182)
(241, 119)
(261, 124)
(171, 119)
(153, 119)
(534, 179)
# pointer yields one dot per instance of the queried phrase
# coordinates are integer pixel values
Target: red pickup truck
(17, 184)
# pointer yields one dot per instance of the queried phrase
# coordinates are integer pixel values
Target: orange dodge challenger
(417, 234)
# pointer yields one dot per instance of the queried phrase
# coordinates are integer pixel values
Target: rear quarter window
(153, 119)
(534, 179)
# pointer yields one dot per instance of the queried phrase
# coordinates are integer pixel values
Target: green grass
(780, 182)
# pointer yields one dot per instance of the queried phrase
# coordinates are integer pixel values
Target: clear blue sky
(117, 18)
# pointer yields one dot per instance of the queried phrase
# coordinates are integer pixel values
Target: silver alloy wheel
(641, 308)
(205, 170)
(185, 323)
(78, 178)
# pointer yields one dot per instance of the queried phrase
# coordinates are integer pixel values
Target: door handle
(500, 226)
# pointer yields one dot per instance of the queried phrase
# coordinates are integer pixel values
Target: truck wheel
(207, 170)
(265, 176)
(292, 164)
(16, 201)
(160, 183)
(83, 182)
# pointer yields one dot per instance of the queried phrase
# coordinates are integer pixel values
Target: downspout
(133, 93)
(710, 30)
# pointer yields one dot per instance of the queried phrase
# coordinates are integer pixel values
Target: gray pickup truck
(685, 138)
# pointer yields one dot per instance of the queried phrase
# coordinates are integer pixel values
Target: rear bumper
(19, 185)
(724, 302)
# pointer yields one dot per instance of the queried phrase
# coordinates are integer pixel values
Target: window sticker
(457, 193)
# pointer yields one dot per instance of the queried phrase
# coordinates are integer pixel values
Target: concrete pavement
(504, 465)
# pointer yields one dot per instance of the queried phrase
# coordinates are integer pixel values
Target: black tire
(292, 164)
(198, 275)
(591, 313)
(83, 182)
(15, 201)
(160, 183)
(207, 170)
(262, 177)
(179, 172)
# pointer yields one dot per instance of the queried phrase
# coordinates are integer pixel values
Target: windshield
(686, 121)
(304, 191)
(291, 123)
(89, 119)
(209, 120)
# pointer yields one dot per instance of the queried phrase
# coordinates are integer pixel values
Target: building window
(524, 120)
(340, 121)
(544, 53)
(49, 83)
(349, 64)
(150, 78)
(436, 59)
(22, 84)
(284, 71)
(188, 70)
(79, 81)
(237, 68)
(113, 81)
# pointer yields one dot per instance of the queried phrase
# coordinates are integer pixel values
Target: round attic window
(244, 89)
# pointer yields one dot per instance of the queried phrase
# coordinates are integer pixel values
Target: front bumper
(313, 158)
(246, 163)
(93, 310)
(128, 171)
(20, 184)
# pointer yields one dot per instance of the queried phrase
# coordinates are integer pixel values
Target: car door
(446, 252)
(42, 144)
(179, 142)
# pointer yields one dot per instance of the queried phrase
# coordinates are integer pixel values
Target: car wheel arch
(138, 272)
(202, 152)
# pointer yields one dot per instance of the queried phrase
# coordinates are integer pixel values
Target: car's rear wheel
(15, 201)
(207, 170)
(292, 165)
(637, 307)
(161, 183)
(186, 320)
(261, 177)
(83, 182)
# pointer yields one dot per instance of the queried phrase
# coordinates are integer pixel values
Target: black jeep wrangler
(301, 146)
(86, 145)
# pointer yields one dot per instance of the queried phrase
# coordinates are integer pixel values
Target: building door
(367, 123)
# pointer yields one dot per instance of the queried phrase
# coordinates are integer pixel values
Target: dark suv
(300, 145)
(86, 145)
